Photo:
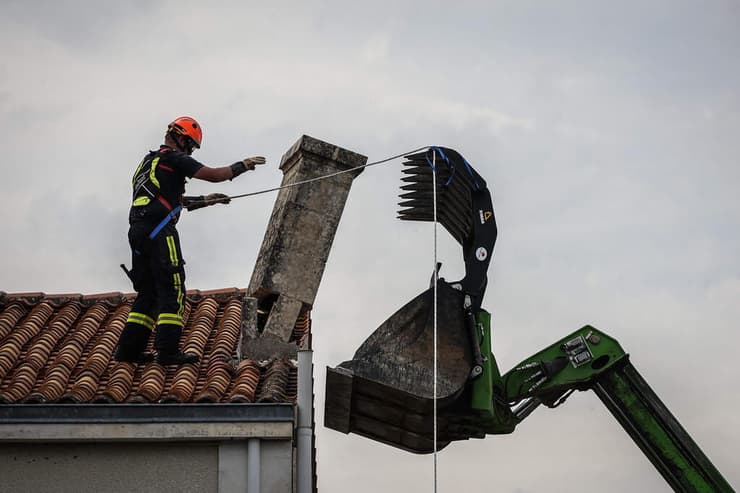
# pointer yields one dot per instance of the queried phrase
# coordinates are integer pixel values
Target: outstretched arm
(224, 173)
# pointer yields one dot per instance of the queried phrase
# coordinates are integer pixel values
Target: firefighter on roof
(158, 272)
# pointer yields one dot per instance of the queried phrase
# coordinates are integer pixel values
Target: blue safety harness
(164, 222)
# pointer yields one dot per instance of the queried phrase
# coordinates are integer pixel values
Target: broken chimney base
(283, 316)
(258, 345)
(298, 239)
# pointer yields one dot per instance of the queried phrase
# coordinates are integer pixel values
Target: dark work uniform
(158, 271)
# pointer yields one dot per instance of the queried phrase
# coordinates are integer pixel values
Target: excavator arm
(591, 360)
(386, 392)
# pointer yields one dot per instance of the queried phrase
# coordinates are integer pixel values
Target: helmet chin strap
(184, 144)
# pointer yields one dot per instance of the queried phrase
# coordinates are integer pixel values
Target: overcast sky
(607, 132)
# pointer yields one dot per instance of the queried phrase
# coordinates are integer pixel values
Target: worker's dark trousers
(159, 279)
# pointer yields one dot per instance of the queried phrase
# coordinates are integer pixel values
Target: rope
(434, 200)
(330, 175)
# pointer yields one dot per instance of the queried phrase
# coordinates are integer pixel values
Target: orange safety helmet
(187, 126)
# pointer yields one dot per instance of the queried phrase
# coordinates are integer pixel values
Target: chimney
(297, 242)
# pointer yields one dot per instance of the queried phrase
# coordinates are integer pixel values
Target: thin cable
(434, 200)
(330, 175)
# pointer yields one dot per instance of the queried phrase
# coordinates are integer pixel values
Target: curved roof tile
(59, 348)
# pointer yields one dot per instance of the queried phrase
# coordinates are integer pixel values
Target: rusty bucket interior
(386, 391)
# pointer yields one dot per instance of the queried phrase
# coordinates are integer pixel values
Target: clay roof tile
(59, 348)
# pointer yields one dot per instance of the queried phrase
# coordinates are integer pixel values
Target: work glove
(206, 200)
(217, 198)
(251, 162)
(247, 164)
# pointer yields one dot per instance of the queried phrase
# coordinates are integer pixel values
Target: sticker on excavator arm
(577, 351)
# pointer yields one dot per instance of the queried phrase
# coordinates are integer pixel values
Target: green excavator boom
(589, 359)
(396, 389)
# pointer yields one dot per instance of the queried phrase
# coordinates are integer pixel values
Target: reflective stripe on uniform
(169, 318)
(180, 295)
(173, 250)
(141, 319)
(143, 200)
(145, 180)
(152, 175)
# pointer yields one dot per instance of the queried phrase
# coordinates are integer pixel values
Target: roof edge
(115, 297)
(146, 413)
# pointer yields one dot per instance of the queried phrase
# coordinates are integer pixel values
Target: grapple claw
(386, 391)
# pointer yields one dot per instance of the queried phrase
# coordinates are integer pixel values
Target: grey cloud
(606, 132)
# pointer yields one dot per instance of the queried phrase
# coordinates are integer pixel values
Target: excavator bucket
(386, 391)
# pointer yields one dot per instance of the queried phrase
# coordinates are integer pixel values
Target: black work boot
(132, 344)
(166, 342)
(178, 358)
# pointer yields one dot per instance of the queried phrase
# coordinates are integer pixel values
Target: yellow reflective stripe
(173, 250)
(142, 315)
(169, 318)
(141, 319)
(180, 294)
(143, 200)
(152, 175)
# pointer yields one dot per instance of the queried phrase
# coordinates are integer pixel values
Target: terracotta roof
(59, 348)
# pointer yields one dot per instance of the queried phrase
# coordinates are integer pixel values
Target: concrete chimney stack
(299, 237)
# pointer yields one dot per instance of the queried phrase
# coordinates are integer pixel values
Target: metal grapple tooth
(417, 194)
(418, 155)
(415, 186)
(417, 170)
(417, 203)
(417, 211)
(415, 216)
(449, 207)
(416, 177)
(455, 184)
